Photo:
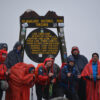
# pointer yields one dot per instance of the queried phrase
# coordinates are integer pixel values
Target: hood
(3, 55)
(75, 48)
(70, 58)
(91, 61)
(63, 64)
(4, 45)
(47, 59)
(16, 45)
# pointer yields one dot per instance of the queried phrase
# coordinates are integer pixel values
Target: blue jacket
(69, 82)
(80, 61)
(94, 68)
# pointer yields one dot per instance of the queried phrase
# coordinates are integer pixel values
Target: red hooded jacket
(92, 88)
(44, 78)
(20, 81)
(3, 68)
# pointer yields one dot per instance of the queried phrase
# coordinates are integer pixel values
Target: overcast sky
(82, 22)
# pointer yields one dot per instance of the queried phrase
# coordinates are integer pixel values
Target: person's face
(4, 55)
(33, 71)
(5, 49)
(19, 48)
(49, 63)
(71, 63)
(75, 52)
(95, 58)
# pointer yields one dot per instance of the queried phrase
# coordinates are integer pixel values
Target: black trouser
(82, 89)
(1, 92)
(56, 89)
(42, 92)
(68, 93)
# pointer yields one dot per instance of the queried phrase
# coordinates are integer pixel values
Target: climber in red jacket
(46, 76)
(3, 69)
(21, 79)
(91, 73)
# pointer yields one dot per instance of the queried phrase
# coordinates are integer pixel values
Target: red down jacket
(92, 88)
(3, 68)
(20, 81)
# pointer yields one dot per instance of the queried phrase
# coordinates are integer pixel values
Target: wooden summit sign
(42, 22)
(50, 20)
(42, 42)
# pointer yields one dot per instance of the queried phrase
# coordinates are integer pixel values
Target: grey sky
(82, 22)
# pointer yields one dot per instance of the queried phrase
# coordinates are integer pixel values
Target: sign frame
(28, 20)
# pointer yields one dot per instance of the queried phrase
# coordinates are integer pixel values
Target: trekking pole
(32, 93)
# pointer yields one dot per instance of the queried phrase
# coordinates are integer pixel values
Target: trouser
(1, 93)
(74, 96)
(42, 92)
(82, 89)
(71, 95)
(56, 89)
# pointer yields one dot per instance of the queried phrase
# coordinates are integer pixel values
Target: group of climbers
(71, 83)
(80, 79)
(77, 79)
(19, 76)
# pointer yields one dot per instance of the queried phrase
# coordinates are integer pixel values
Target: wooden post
(63, 50)
(22, 36)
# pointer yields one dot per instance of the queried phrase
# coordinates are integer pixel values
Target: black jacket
(80, 61)
(14, 56)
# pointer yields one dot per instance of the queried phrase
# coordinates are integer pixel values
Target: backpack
(36, 69)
